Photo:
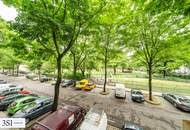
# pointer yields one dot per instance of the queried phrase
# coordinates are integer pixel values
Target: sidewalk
(129, 90)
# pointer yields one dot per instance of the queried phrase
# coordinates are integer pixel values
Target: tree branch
(48, 49)
(74, 37)
(55, 41)
(58, 8)
(44, 4)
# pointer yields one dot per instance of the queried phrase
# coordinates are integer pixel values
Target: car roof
(84, 80)
(42, 99)
(16, 87)
(11, 96)
(58, 117)
(7, 84)
(135, 90)
(120, 86)
(24, 98)
(94, 115)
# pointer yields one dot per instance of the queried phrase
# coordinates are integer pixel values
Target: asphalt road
(150, 117)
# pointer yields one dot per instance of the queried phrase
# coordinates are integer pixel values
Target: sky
(7, 13)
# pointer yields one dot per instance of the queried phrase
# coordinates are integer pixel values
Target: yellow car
(81, 84)
(89, 86)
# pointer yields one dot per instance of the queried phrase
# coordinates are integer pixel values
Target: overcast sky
(7, 13)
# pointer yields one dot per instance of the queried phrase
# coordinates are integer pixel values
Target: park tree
(4, 32)
(55, 26)
(35, 58)
(20, 49)
(148, 32)
(78, 53)
(107, 37)
(84, 53)
(9, 60)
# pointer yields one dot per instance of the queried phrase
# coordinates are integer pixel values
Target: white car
(95, 119)
(10, 89)
(120, 91)
(6, 86)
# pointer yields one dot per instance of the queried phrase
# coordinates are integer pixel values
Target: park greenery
(77, 37)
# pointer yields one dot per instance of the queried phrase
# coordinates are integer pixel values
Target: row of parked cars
(42, 78)
(136, 95)
(20, 103)
(79, 85)
(82, 84)
(180, 102)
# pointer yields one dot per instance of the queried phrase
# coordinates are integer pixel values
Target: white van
(120, 91)
(95, 119)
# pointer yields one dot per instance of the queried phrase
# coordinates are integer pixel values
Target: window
(82, 83)
(29, 100)
(71, 119)
(173, 96)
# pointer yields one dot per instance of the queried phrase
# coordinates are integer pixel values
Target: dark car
(7, 94)
(68, 83)
(131, 126)
(45, 79)
(179, 102)
(36, 109)
(3, 81)
(137, 96)
(31, 76)
(65, 118)
(4, 103)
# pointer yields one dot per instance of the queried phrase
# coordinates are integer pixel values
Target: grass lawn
(174, 87)
(138, 80)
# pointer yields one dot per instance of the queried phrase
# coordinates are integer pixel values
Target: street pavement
(150, 117)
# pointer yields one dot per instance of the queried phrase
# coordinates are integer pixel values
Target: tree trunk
(74, 66)
(17, 69)
(164, 70)
(90, 71)
(39, 73)
(105, 69)
(114, 70)
(150, 80)
(13, 71)
(164, 74)
(57, 85)
(122, 69)
(83, 72)
(9, 70)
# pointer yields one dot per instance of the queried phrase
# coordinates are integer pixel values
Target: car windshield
(136, 92)
(139, 93)
(11, 95)
(184, 100)
(29, 108)
(66, 80)
(82, 83)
